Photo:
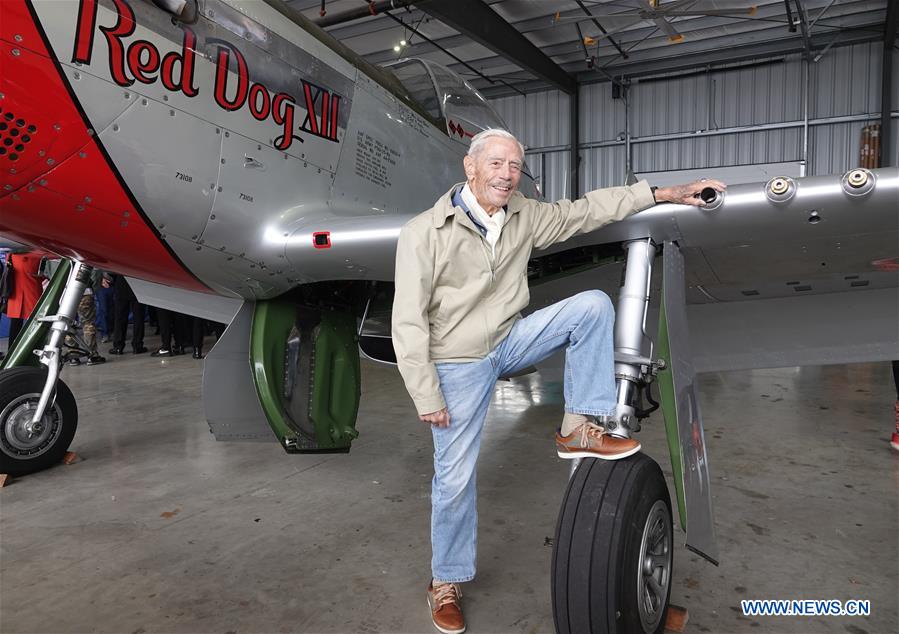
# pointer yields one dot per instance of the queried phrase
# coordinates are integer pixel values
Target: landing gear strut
(612, 554)
(38, 414)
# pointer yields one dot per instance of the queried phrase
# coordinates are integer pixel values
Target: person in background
(25, 289)
(105, 298)
(894, 439)
(125, 300)
(198, 330)
(170, 326)
(87, 314)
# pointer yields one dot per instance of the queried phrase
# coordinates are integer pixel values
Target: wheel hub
(20, 437)
(654, 576)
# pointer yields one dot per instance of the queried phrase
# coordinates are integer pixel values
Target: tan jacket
(455, 301)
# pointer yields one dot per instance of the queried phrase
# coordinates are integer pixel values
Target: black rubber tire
(62, 418)
(596, 552)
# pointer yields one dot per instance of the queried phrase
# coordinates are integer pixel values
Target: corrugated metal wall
(844, 82)
(542, 121)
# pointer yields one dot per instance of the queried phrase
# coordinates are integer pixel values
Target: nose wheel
(27, 445)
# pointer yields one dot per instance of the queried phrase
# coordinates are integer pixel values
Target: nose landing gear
(38, 414)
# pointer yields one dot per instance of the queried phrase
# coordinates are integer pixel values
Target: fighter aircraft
(238, 163)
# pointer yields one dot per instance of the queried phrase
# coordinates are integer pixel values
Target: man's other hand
(438, 419)
(688, 194)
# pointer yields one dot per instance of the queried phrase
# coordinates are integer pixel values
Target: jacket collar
(444, 207)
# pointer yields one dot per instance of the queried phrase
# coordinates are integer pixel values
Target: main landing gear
(38, 415)
(613, 547)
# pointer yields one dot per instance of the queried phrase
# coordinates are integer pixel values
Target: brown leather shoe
(446, 607)
(592, 441)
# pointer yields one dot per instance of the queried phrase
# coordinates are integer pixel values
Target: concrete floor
(159, 528)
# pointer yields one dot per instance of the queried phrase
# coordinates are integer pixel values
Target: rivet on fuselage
(15, 52)
(17, 37)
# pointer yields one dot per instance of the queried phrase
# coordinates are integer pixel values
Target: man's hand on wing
(688, 194)
(438, 419)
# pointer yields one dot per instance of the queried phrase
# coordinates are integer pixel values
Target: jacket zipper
(489, 264)
(484, 307)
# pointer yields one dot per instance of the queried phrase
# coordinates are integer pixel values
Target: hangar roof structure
(505, 47)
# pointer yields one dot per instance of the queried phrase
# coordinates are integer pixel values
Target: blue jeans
(104, 310)
(584, 324)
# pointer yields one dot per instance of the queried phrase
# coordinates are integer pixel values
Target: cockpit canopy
(446, 97)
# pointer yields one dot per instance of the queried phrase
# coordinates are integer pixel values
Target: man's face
(493, 174)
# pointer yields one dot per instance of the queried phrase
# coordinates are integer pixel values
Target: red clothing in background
(26, 285)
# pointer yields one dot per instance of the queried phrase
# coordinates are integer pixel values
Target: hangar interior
(156, 527)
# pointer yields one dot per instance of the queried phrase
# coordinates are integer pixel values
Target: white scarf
(493, 224)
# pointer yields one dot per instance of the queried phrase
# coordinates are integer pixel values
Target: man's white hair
(479, 140)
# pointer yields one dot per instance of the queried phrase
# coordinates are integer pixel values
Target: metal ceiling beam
(369, 10)
(700, 59)
(803, 26)
(736, 53)
(886, 84)
(600, 27)
(482, 24)
(568, 53)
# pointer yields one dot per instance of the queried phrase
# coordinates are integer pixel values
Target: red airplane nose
(38, 127)
(58, 188)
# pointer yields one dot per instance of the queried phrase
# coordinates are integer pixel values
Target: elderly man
(461, 280)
